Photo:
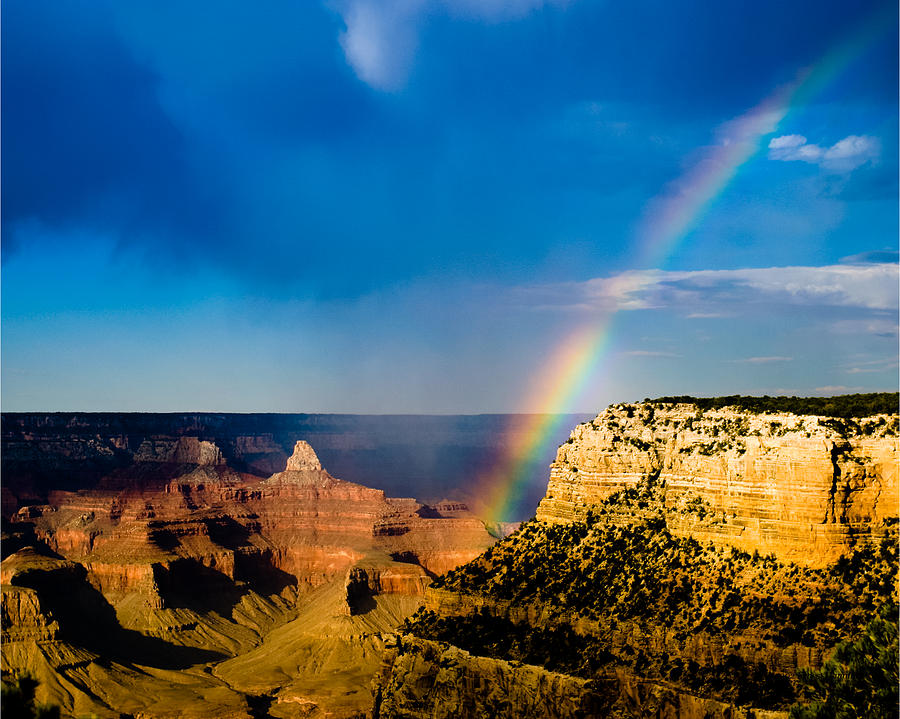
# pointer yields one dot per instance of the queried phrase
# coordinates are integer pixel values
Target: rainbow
(673, 215)
(559, 384)
(668, 219)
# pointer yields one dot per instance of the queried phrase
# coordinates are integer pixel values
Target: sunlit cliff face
(682, 562)
(798, 486)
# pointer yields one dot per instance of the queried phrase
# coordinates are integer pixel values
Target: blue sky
(405, 206)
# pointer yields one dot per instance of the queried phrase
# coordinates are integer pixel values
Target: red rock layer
(301, 525)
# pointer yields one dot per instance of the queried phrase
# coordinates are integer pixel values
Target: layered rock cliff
(301, 525)
(683, 563)
(179, 562)
(796, 486)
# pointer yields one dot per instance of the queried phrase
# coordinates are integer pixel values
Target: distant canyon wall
(301, 522)
(429, 457)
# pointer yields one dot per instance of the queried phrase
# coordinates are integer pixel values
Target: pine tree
(860, 681)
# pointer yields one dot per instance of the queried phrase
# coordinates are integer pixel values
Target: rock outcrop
(183, 450)
(682, 564)
(796, 486)
(303, 459)
(419, 676)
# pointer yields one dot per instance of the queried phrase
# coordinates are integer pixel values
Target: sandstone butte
(179, 587)
(683, 564)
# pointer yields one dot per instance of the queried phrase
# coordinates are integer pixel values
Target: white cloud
(786, 141)
(842, 156)
(717, 292)
(382, 36)
(853, 147)
(884, 364)
(837, 388)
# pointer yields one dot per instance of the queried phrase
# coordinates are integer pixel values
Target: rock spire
(303, 459)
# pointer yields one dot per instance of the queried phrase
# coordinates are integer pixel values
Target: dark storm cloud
(692, 59)
(86, 143)
(275, 71)
(300, 205)
(238, 136)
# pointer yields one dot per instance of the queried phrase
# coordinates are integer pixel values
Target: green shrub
(861, 678)
(845, 406)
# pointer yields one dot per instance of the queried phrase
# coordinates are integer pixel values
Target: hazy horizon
(313, 413)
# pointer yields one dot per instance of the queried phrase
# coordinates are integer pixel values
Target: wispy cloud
(837, 388)
(382, 36)
(892, 256)
(883, 364)
(878, 326)
(842, 156)
(717, 292)
(762, 360)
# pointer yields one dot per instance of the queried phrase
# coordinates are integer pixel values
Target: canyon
(180, 586)
(685, 561)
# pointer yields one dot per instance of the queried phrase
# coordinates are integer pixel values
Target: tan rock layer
(782, 483)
